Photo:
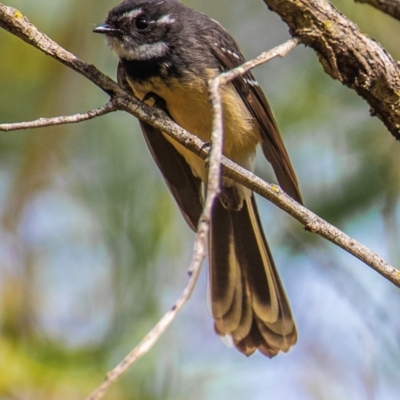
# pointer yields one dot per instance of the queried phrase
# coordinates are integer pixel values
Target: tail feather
(246, 320)
(248, 300)
(227, 271)
(253, 256)
(232, 319)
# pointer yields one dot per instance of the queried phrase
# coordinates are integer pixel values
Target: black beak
(107, 30)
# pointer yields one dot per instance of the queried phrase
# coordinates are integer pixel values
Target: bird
(167, 54)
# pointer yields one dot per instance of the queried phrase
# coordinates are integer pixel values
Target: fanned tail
(248, 300)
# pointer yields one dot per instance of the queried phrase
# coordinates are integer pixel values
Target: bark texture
(346, 54)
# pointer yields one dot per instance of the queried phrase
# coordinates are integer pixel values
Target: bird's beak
(107, 30)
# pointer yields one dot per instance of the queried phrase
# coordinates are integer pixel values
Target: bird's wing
(229, 56)
(184, 186)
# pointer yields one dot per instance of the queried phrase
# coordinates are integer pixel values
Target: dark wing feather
(184, 186)
(228, 56)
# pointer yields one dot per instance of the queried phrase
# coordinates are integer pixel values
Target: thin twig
(70, 119)
(152, 337)
(278, 51)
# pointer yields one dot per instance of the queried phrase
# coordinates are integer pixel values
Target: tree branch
(312, 222)
(71, 119)
(390, 7)
(346, 54)
(278, 51)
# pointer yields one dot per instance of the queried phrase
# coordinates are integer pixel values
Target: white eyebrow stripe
(133, 13)
(165, 19)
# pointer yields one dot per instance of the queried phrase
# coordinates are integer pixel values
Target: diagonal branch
(346, 54)
(312, 222)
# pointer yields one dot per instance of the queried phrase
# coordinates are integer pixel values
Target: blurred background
(93, 250)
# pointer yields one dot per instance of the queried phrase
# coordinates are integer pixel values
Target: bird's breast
(188, 103)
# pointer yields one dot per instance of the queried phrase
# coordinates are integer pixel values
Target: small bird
(167, 54)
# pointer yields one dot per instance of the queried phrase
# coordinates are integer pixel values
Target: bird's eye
(142, 23)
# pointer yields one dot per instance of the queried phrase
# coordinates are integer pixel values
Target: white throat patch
(131, 51)
(148, 51)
